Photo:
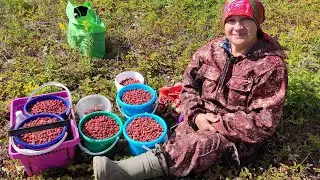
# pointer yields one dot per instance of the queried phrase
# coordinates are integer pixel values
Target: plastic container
(99, 145)
(57, 156)
(29, 104)
(31, 152)
(138, 147)
(125, 75)
(44, 145)
(129, 110)
(20, 117)
(110, 151)
(31, 101)
(90, 102)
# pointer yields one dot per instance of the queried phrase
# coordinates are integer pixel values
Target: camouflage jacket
(250, 101)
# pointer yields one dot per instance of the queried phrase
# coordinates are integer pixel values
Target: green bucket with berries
(100, 131)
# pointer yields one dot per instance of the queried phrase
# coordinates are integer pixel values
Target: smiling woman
(242, 33)
(242, 21)
(233, 94)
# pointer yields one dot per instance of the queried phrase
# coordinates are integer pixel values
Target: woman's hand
(204, 122)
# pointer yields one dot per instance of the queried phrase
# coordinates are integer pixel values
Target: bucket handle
(84, 149)
(148, 149)
(55, 84)
(30, 152)
(154, 110)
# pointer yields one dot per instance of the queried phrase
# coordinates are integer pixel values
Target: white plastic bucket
(125, 75)
(92, 102)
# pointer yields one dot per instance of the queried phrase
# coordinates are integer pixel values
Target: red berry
(129, 81)
(136, 96)
(144, 129)
(48, 106)
(100, 127)
(40, 137)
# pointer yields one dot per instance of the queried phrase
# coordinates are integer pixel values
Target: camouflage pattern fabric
(249, 106)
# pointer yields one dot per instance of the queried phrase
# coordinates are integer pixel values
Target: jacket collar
(264, 46)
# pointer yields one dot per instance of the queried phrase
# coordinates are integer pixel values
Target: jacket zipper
(223, 74)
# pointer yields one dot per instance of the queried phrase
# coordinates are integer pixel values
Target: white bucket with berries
(128, 77)
(93, 103)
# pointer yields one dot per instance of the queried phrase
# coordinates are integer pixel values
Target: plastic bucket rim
(117, 81)
(127, 87)
(43, 98)
(43, 145)
(156, 118)
(97, 113)
(100, 113)
(94, 95)
(105, 151)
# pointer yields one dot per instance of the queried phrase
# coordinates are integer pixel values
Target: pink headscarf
(251, 8)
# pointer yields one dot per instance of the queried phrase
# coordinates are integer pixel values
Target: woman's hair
(260, 33)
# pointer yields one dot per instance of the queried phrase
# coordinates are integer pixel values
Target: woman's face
(240, 30)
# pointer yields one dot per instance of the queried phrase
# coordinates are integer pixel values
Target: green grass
(158, 38)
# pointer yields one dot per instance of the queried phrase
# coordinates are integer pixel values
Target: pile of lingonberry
(94, 109)
(48, 106)
(136, 96)
(129, 81)
(144, 129)
(41, 137)
(100, 127)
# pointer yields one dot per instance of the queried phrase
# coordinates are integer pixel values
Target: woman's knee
(208, 143)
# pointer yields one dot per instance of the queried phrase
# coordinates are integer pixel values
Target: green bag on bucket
(86, 31)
